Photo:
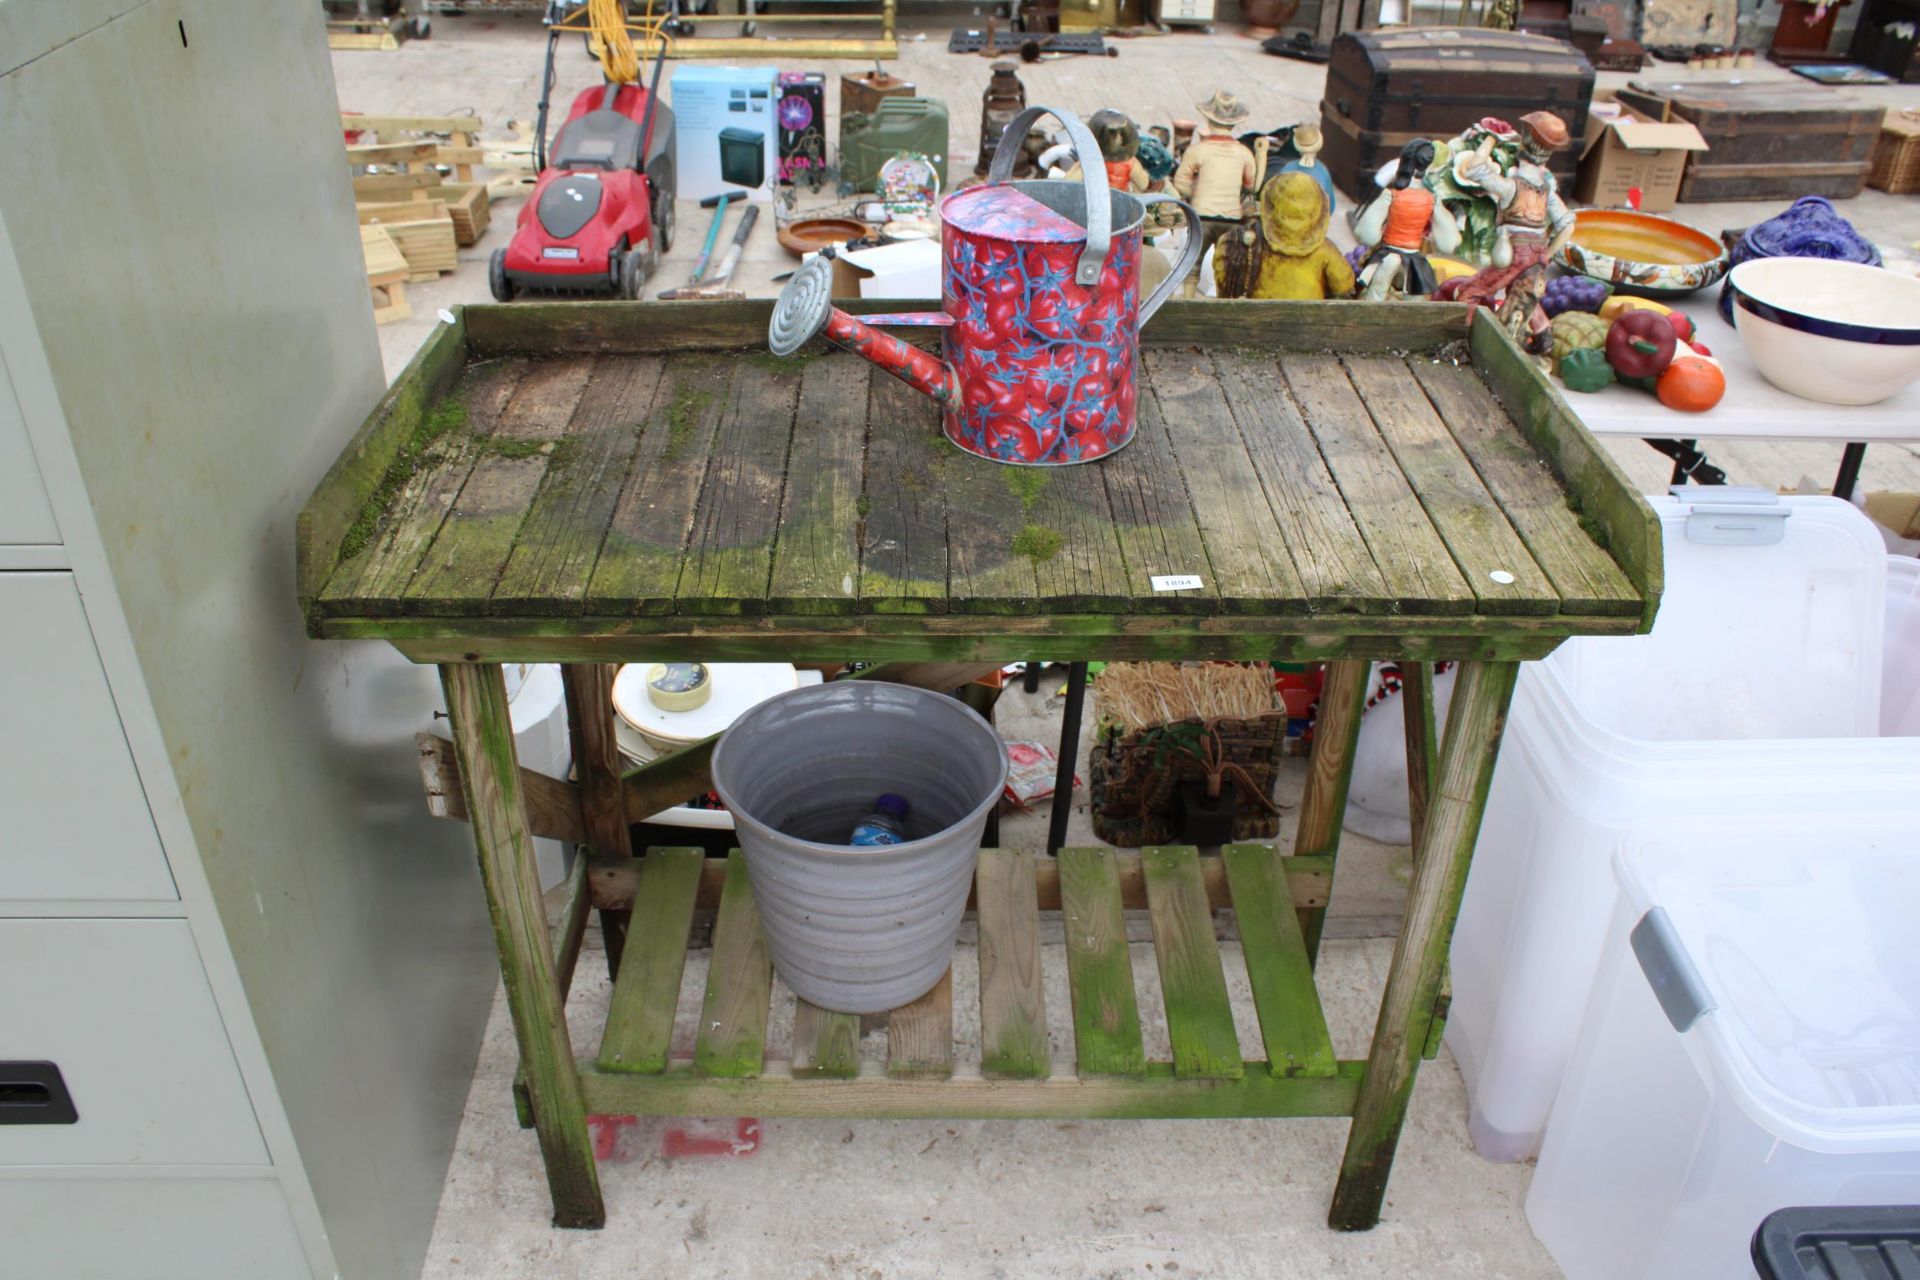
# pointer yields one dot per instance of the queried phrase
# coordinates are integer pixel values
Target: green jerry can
(916, 125)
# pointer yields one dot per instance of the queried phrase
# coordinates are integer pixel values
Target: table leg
(596, 762)
(1423, 751)
(483, 741)
(1069, 756)
(1849, 474)
(1474, 725)
(1343, 696)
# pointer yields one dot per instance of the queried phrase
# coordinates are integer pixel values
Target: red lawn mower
(601, 214)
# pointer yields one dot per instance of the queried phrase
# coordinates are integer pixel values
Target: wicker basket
(1896, 156)
(1136, 781)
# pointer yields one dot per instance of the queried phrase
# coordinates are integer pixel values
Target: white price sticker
(1176, 582)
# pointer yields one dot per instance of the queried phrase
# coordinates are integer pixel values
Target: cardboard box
(726, 137)
(1632, 150)
(908, 269)
(1897, 513)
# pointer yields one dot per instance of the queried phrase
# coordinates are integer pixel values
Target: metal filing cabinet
(237, 968)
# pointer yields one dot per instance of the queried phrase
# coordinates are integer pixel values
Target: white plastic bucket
(1753, 1041)
(1900, 676)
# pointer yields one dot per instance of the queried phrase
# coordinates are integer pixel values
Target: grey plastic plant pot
(859, 930)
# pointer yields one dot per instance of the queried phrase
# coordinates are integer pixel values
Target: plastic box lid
(1771, 626)
(1797, 939)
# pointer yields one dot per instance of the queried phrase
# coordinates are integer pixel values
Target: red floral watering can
(1042, 310)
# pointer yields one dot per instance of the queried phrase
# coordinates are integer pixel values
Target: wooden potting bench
(597, 483)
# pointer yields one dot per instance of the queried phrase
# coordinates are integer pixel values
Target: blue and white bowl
(1837, 332)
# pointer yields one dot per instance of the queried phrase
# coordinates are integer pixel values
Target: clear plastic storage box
(1752, 1042)
(1757, 692)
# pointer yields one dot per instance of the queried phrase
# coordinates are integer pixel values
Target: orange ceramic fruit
(1691, 384)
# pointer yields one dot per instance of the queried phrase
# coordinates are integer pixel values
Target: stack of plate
(647, 731)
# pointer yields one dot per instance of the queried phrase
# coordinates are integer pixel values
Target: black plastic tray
(1880, 1243)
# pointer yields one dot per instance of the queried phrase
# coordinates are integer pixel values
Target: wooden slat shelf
(564, 481)
(1104, 1070)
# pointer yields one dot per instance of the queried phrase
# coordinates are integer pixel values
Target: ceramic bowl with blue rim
(1836, 332)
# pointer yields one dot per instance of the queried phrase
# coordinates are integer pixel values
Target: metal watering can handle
(1099, 203)
(1188, 255)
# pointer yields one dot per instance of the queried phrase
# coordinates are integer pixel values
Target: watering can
(1041, 311)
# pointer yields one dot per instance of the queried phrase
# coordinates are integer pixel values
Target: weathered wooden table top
(548, 501)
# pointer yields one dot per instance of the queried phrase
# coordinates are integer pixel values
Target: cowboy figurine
(1217, 171)
(1534, 223)
(1119, 140)
(1396, 225)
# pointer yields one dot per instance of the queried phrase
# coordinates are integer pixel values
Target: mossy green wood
(730, 549)
(920, 1035)
(540, 328)
(1250, 571)
(559, 543)
(567, 937)
(1336, 569)
(1153, 516)
(483, 736)
(351, 492)
(826, 1045)
(1493, 559)
(403, 514)
(733, 1013)
(903, 508)
(1612, 506)
(816, 562)
(1153, 1094)
(1192, 983)
(1532, 498)
(1292, 1023)
(1106, 1014)
(460, 569)
(1343, 695)
(638, 569)
(640, 1014)
(1419, 572)
(1475, 721)
(1013, 1007)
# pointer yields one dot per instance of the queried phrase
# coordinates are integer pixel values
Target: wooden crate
(467, 203)
(429, 246)
(387, 274)
(1896, 156)
(1766, 142)
(435, 140)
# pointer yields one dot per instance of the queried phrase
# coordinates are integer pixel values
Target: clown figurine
(1534, 223)
(1397, 224)
(1285, 254)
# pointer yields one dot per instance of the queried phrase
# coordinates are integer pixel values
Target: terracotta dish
(810, 235)
(1642, 252)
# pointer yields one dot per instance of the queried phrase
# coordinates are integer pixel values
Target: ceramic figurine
(1307, 141)
(1119, 141)
(1156, 156)
(1534, 223)
(1396, 225)
(1284, 253)
(1473, 208)
(1217, 171)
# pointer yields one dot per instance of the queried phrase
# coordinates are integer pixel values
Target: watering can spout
(806, 309)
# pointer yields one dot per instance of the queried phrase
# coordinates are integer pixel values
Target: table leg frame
(1336, 730)
(1475, 722)
(483, 741)
(596, 761)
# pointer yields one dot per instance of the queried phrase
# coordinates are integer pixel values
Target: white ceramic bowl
(1836, 332)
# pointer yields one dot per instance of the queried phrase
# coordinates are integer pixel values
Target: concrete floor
(907, 1199)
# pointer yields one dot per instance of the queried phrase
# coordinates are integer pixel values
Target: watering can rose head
(1040, 318)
